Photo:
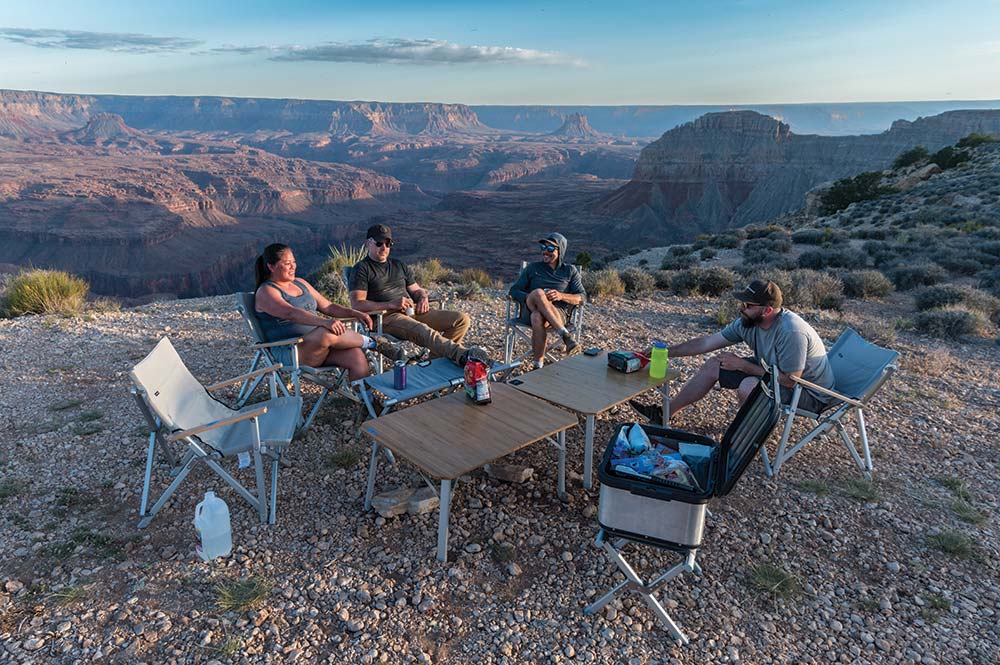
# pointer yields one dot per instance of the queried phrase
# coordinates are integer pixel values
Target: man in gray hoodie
(548, 290)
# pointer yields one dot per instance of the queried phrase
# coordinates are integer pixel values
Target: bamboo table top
(585, 384)
(450, 436)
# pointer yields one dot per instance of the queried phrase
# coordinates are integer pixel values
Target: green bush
(949, 158)
(674, 262)
(833, 258)
(602, 284)
(805, 288)
(950, 322)
(44, 292)
(769, 231)
(911, 157)
(864, 284)
(990, 280)
(664, 278)
(680, 250)
(637, 282)
(906, 277)
(583, 259)
(705, 281)
(730, 240)
(707, 253)
(862, 187)
(933, 297)
(975, 139)
(328, 277)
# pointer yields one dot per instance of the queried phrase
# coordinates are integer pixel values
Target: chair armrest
(827, 391)
(280, 342)
(263, 370)
(217, 424)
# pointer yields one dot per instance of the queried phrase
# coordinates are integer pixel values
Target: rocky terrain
(900, 571)
(727, 170)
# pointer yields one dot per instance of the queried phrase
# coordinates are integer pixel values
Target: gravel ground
(869, 580)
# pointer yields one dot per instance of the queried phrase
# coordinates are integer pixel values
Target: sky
(573, 53)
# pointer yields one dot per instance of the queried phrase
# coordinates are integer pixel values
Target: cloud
(117, 42)
(408, 51)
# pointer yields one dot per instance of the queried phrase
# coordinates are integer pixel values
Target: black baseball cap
(379, 232)
(759, 292)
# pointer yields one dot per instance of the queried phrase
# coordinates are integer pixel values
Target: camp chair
(647, 513)
(179, 409)
(284, 355)
(859, 370)
(516, 330)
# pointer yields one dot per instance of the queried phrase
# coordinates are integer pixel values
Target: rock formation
(575, 128)
(736, 168)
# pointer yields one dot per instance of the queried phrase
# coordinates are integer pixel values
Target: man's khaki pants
(439, 330)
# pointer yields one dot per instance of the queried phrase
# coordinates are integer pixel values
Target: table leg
(562, 464)
(370, 486)
(665, 392)
(588, 450)
(443, 510)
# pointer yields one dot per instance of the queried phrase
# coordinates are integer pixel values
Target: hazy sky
(579, 52)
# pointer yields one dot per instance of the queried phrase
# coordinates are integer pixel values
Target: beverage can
(399, 375)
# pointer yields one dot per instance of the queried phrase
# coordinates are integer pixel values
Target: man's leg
(539, 336)
(409, 328)
(452, 325)
(746, 387)
(537, 303)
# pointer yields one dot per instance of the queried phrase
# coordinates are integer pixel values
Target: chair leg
(150, 454)
(315, 409)
(372, 468)
(863, 432)
(144, 522)
(779, 457)
(274, 490)
(444, 513)
(851, 448)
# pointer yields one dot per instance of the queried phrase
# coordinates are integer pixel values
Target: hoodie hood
(560, 241)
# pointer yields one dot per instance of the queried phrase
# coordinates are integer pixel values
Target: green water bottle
(658, 361)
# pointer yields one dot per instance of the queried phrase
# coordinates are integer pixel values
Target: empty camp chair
(284, 355)
(636, 509)
(179, 410)
(516, 330)
(859, 370)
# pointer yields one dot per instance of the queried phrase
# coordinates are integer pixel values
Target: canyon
(145, 195)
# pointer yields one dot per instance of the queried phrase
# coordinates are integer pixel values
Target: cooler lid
(746, 434)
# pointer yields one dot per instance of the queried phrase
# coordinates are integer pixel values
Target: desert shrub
(663, 279)
(959, 265)
(990, 280)
(44, 292)
(584, 260)
(864, 284)
(680, 250)
(932, 297)
(769, 231)
(674, 262)
(431, 271)
(881, 251)
(877, 330)
(911, 157)
(331, 286)
(862, 187)
(949, 158)
(340, 258)
(725, 311)
(476, 276)
(824, 236)
(805, 288)
(470, 290)
(872, 233)
(844, 257)
(906, 277)
(730, 240)
(637, 282)
(950, 322)
(706, 281)
(780, 245)
(602, 284)
(707, 253)
(976, 139)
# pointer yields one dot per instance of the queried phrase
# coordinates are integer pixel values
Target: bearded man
(780, 338)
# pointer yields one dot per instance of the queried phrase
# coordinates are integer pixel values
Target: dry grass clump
(603, 284)
(476, 276)
(44, 292)
(637, 282)
(241, 595)
(864, 284)
(805, 288)
(431, 271)
(934, 363)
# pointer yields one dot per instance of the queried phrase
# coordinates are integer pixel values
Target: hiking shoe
(572, 346)
(653, 414)
(418, 357)
(475, 353)
(390, 350)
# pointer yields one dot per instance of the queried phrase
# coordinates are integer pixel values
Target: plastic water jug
(658, 361)
(211, 519)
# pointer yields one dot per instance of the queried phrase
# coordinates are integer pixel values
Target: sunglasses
(382, 243)
(547, 247)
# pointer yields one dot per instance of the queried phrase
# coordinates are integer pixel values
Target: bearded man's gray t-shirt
(791, 344)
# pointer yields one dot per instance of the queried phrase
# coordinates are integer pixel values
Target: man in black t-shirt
(381, 283)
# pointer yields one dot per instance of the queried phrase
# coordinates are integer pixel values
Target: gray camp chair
(859, 369)
(178, 409)
(283, 354)
(517, 331)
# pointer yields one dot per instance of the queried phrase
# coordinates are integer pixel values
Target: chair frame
(834, 418)
(198, 451)
(518, 330)
(330, 378)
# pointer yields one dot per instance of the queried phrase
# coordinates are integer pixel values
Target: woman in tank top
(287, 306)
